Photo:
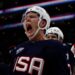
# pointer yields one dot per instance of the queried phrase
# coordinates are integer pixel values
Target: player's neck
(39, 37)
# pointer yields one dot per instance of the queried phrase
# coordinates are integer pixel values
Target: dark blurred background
(62, 13)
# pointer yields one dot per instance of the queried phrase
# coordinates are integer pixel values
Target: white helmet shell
(55, 30)
(42, 12)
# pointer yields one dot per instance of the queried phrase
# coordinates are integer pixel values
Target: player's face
(52, 37)
(31, 23)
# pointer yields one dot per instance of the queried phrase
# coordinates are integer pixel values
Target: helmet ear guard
(42, 24)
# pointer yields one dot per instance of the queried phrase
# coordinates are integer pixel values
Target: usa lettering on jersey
(27, 64)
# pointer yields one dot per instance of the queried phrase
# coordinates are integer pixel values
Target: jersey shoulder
(18, 48)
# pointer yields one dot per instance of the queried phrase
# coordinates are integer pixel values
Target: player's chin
(29, 34)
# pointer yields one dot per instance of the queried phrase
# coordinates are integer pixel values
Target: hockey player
(38, 56)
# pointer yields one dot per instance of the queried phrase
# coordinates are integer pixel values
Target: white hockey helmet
(42, 12)
(55, 30)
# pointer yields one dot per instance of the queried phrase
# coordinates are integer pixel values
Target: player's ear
(43, 23)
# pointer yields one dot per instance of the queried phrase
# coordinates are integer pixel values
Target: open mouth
(29, 27)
